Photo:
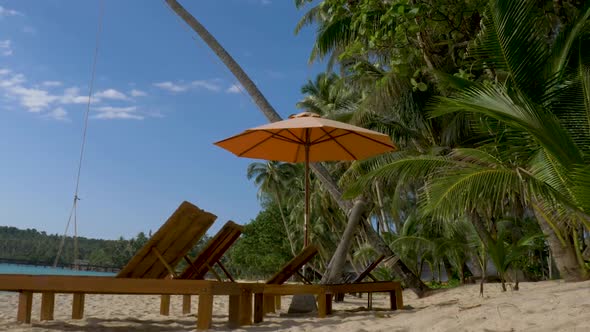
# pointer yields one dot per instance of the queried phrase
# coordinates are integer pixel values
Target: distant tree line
(38, 247)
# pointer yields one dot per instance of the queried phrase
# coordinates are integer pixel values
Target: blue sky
(160, 101)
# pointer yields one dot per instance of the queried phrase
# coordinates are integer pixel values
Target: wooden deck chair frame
(209, 256)
(49, 285)
(155, 260)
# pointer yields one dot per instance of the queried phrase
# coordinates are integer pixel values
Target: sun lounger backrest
(369, 269)
(294, 265)
(172, 241)
(213, 251)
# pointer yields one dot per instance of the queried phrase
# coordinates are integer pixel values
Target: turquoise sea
(28, 269)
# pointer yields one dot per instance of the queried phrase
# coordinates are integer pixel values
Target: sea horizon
(6, 268)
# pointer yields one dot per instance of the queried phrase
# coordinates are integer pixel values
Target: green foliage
(262, 249)
(34, 247)
(489, 104)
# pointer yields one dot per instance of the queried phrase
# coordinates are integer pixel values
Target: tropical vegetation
(488, 102)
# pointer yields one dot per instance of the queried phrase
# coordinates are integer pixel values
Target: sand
(542, 306)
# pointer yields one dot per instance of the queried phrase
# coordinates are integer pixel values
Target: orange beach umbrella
(306, 137)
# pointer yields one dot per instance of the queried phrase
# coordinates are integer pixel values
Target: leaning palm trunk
(321, 172)
(563, 251)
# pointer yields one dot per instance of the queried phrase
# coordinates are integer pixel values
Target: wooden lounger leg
(25, 305)
(165, 305)
(47, 305)
(205, 312)
(246, 307)
(396, 300)
(269, 303)
(370, 301)
(328, 304)
(258, 308)
(278, 302)
(186, 304)
(234, 311)
(78, 306)
(322, 305)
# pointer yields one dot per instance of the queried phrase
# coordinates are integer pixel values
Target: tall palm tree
(354, 209)
(535, 106)
(328, 96)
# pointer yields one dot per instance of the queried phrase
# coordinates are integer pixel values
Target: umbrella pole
(306, 217)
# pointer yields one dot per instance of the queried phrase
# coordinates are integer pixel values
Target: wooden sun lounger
(80, 285)
(293, 266)
(361, 276)
(272, 302)
(155, 260)
(324, 294)
(210, 255)
(272, 296)
(158, 257)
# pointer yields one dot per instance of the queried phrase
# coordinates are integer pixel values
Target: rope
(73, 212)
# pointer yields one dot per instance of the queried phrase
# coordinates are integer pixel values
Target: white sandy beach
(542, 306)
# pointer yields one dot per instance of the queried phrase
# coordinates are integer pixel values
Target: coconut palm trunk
(354, 211)
(562, 250)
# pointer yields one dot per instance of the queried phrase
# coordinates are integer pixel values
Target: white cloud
(51, 83)
(34, 100)
(8, 12)
(58, 114)
(234, 88)
(169, 86)
(208, 85)
(37, 98)
(14, 80)
(6, 47)
(137, 93)
(72, 96)
(111, 94)
(110, 112)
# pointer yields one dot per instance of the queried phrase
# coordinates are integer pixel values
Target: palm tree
(354, 209)
(328, 96)
(275, 178)
(534, 105)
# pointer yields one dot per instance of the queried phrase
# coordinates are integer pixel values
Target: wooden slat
(213, 251)
(165, 305)
(163, 261)
(291, 289)
(322, 305)
(382, 286)
(367, 271)
(186, 304)
(258, 308)
(78, 306)
(234, 311)
(47, 305)
(294, 265)
(396, 299)
(110, 285)
(268, 303)
(246, 307)
(205, 312)
(225, 271)
(173, 240)
(25, 305)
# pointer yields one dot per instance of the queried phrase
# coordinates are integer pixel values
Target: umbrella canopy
(326, 140)
(306, 137)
